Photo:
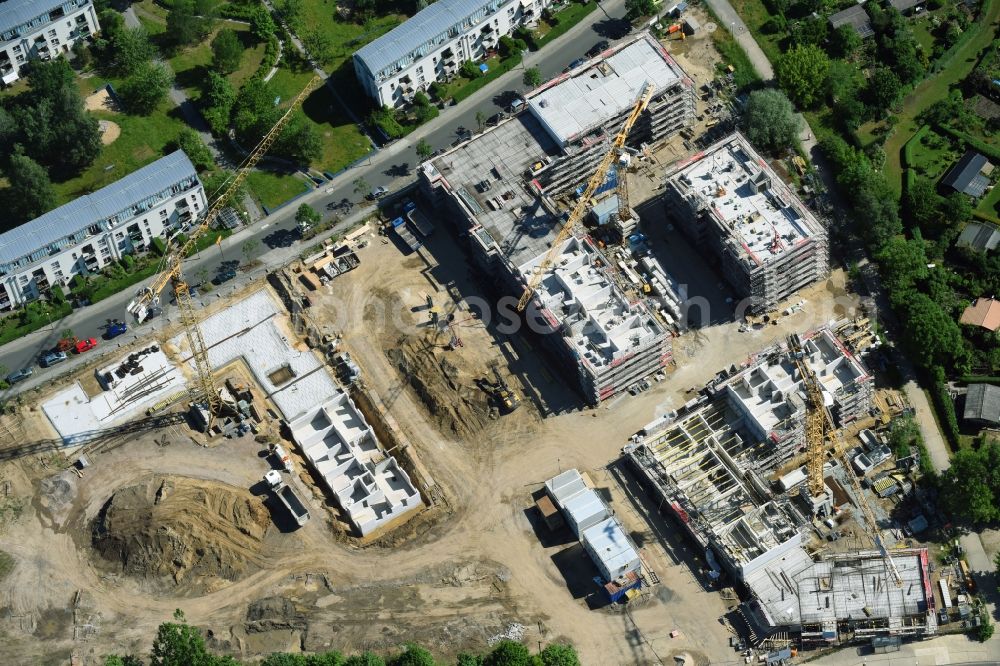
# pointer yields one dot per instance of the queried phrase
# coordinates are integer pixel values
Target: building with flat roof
(41, 29)
(730, 202)
(432, 45)
(88, 233)
(501, 188)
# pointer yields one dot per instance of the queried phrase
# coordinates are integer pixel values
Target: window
(20, 58)
(55, 42)
(52, 33)
(93, 229)
(163, 213)
(17, 49)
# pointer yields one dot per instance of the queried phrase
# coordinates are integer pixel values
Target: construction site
(361, 451)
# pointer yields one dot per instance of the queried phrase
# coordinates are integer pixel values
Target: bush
(945, 407)
(158, 246)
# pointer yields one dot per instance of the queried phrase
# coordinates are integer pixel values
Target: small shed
(856, 17)
(691, 25)
(979, 236)
(969, 175)
(550, 514)
(904, 6)
(982, 404)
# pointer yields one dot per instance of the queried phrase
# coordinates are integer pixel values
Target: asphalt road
(276, 235)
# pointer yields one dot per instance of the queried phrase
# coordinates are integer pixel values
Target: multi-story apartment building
(85, 235)
(41, 29)
(433, 44)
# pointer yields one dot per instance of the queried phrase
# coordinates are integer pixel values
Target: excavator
(820, 427)
(580, 209)
(506, 398)
(203, 391)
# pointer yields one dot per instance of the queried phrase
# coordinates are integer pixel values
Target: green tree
(413, 655)
(111, 22)
(469, 70)
(466, 659)
(300, 141)
(802, 72)
(179, 644)
(184, 26)
(636, 9)
(559, 655)
(29, 193)
(132, 50)
(190, 142)
(365, 659)
(218, 98)
(967, 487)
(227, 51)
(923, 204)
(284, 659)
(261, 24)
(127, 660)
(884, 89)
(83, 58)
(770, 121)
(145, 88)
(385, 119)
(424, 149)
(508, 653)
(845, 41)
(480, 119)
(332, 658)
(956, 208)
(319, 45)
(532, 77)
(361, 186)
(932, 336)
(306, 215)
(249, 247)
(903, 263)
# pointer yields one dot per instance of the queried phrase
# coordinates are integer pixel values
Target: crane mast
(202, 390)
(819, 426)
(581, 205)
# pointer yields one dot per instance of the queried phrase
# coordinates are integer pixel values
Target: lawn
(343, 142)
(570, 14)
(272, 189)
(755, 15)
(932, 154)
(191, 65)
(286, 84)
(989, 207)
(346, 36)
(934, 89)
(142, 140)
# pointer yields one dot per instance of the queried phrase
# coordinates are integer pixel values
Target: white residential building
(85, 235)
(41, 29)
(433, 44)
(372, 489)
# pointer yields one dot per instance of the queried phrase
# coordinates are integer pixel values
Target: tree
(30, 191)
(132, 49)
(82, 56)
(306, 215)
(249, 247)
(332, 658)
(413, 655)
(218, 98)
(227, 51)
(508, 653)
(480, 119)
(845, 41)
(300, 141)
(802, 72)
(385, 119)
(466, 659)
(143, 91)
(770, 121)
(884, 89)
(284, 659)
(469, 70)
(365, 659)
(424, 149)
(931, 334)
(903, 263)
(190, 142)
(923, 204)
(319, 45)
(636, 9)
(127, 660)
(361, 186)
(532, 77)
(178, 644)
(184, 26)
(956, 208)
(559, 655)
(967, 487)
(261, 24)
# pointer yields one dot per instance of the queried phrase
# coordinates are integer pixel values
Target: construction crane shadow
(95, 440)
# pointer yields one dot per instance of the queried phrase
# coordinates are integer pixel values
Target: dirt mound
(452, 397)
(185, 530)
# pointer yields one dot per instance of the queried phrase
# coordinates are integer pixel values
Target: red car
(85, 345)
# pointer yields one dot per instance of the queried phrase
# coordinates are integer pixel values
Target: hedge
(563, 20)
(477, 83)
(979, 379)
(948, 56)
(971, 141)
(945, 408)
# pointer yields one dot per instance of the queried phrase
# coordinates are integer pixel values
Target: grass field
(272, 189)
(932, 155)
(755, 15)
(989, 207)
(346, 37)
(343, 142)
(191, 65)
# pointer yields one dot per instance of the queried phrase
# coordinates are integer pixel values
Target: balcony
(81, 19)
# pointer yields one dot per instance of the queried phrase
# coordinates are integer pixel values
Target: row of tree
(179, 644)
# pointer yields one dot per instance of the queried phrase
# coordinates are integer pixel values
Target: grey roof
(982, 403)
(965, 176)
(903, 5)
(979, 236)
(15, 12)
(415, 32)
(92, 208)
(856, 17)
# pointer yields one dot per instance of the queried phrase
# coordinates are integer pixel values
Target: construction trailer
(733, 205)
(502, 190)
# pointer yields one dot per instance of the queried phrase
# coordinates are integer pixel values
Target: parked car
(52, 358)
(576, 63)
(225, 275)
(599, 47)
(85, 345)
(19, 376)
(378, 193)
(116, 328)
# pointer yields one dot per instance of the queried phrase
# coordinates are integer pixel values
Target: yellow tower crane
(581, 205)
(202, 390)
(819, 427)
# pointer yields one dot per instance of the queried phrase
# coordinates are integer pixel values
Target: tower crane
(581, 205)
(819, 426)
(202, 390)
(624, 212)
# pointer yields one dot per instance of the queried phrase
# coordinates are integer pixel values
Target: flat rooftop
(510, 214)
(587, 97)
(598, 320)
(742, 191)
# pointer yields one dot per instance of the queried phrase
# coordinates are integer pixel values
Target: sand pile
(452, 397)
(183, 530)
